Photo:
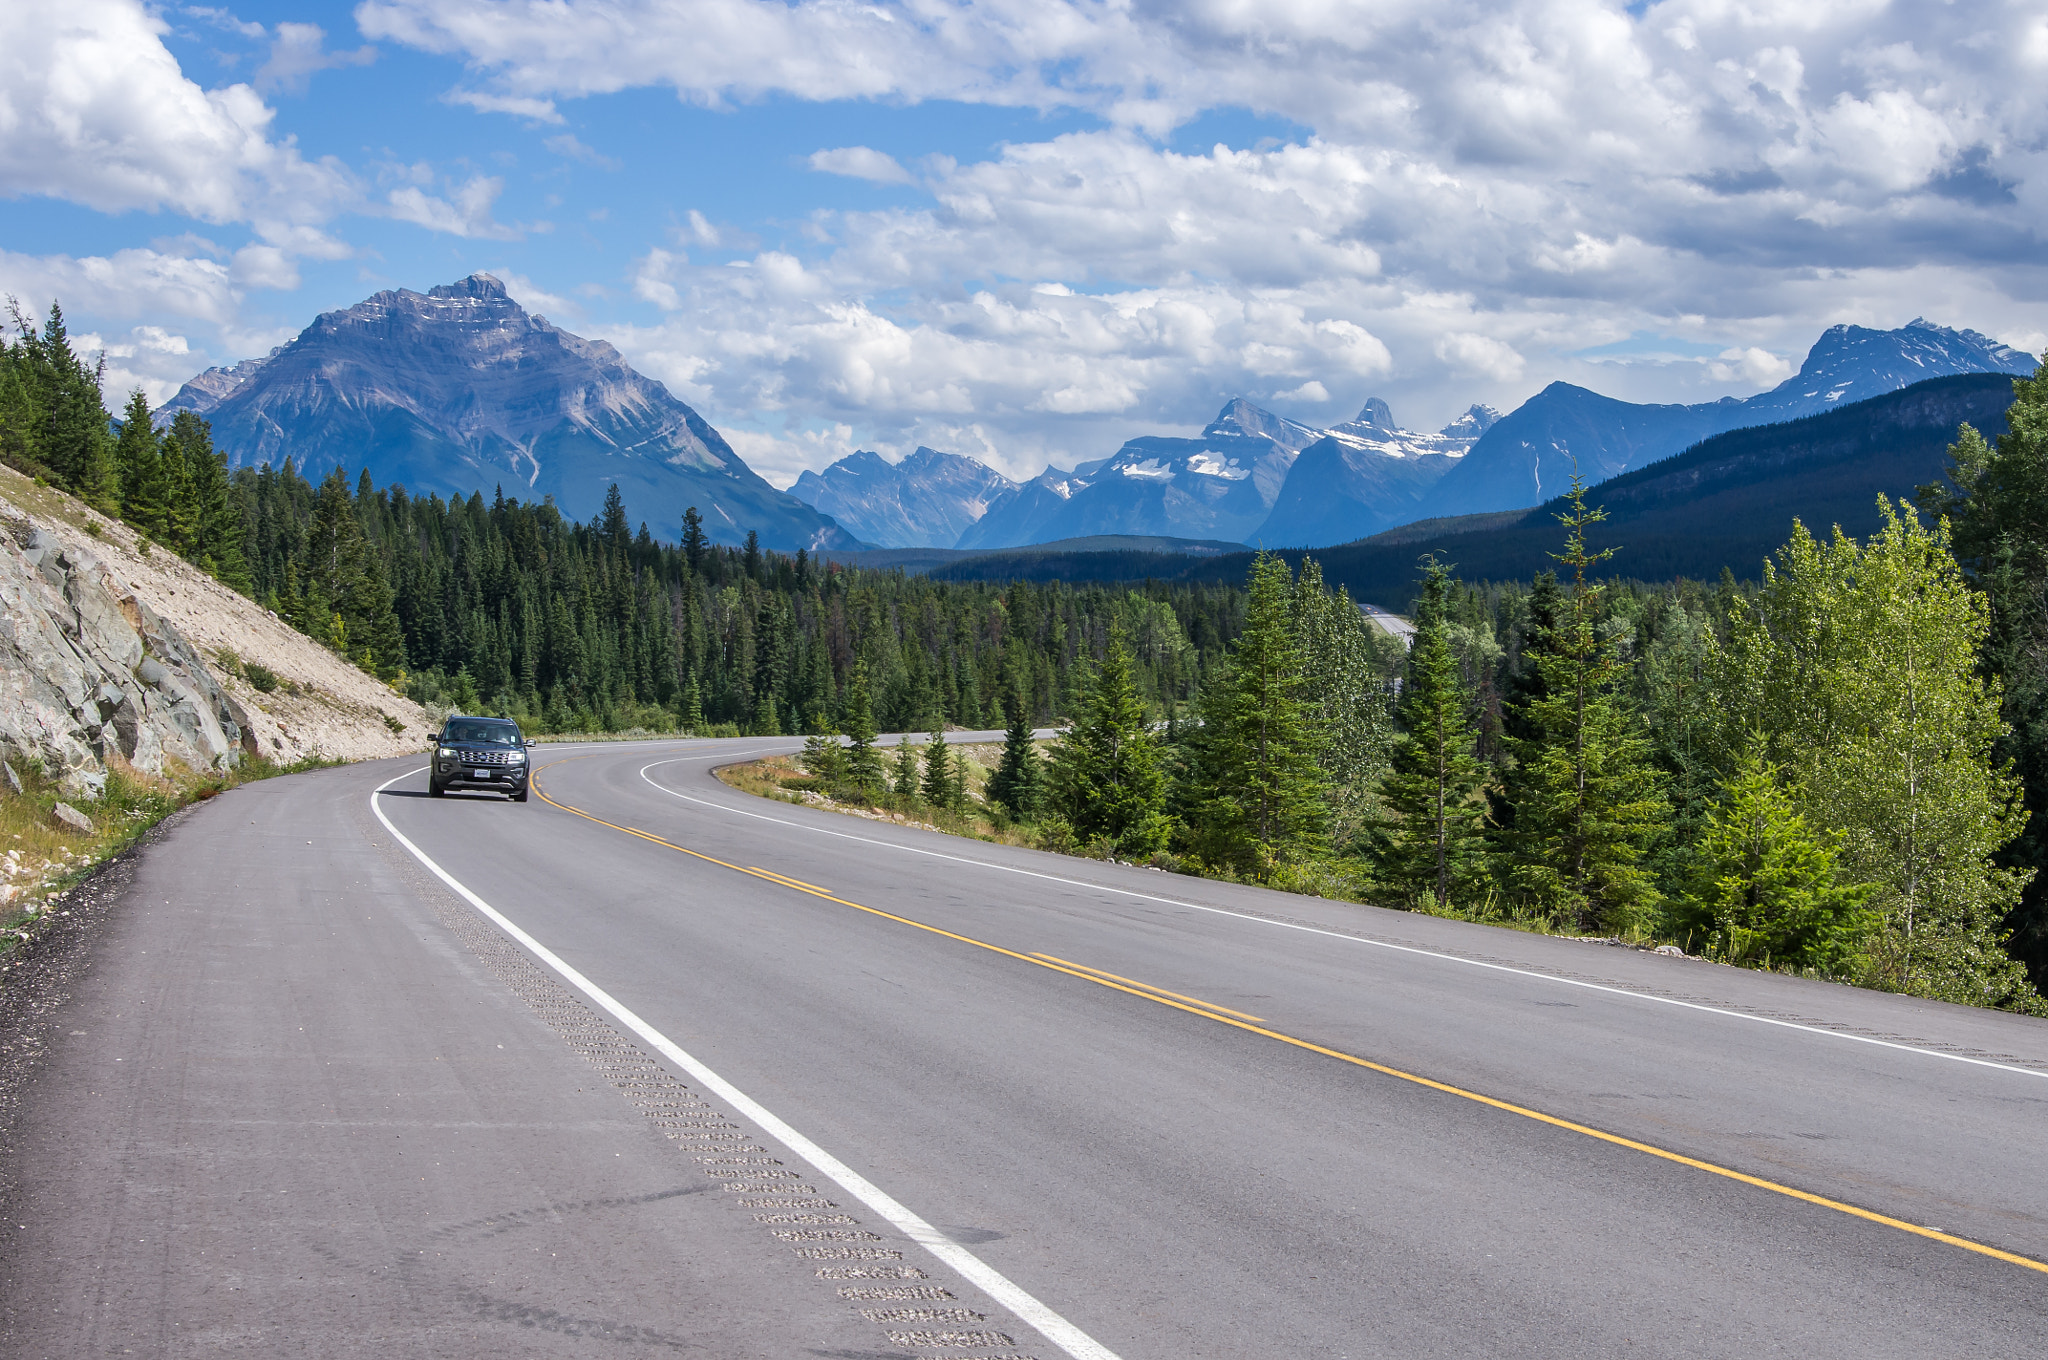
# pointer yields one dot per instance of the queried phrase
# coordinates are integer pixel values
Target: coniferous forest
(1839, 767)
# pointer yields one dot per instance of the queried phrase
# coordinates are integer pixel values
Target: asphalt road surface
(649, 1065)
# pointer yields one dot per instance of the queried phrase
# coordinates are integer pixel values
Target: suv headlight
(516, 758)
(445, 753)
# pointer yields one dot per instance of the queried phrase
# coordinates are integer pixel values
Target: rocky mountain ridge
(927, 500)
(1530, 454)
(460, 390)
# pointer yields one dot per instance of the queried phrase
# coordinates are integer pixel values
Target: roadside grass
(782, 779)
(42, 859)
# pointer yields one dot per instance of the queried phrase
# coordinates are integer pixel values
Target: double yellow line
(1251, 1024)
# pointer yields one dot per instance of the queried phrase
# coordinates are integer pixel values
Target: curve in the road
(1243, 1022)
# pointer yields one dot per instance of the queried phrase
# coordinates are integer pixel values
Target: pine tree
(1433, 845)
(863, 763)
(1588, 802)
(1258, 792)
(962, 782)
(1763, 885)
(904, 780)
(20, 418)
(137, 458)
(1018, 775)
(937, 786)
(824, 758)
(695, 544)
(1106, 779)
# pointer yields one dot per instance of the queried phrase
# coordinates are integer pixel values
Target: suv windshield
(482, 733)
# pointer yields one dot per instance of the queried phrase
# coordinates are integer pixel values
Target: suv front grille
(485, 757)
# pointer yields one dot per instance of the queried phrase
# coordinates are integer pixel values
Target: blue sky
(1027, 231)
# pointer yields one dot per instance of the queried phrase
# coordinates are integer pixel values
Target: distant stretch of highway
(650, 1065)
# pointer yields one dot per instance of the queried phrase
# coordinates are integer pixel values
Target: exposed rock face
(460, 390)
(87, 670)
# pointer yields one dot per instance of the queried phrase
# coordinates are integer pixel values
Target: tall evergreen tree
(1257, 790)
(695, 543)
(937, 785)
(1106, 779)
(1433, 841)
(137, 458)
(905, 781)
(1588, 801)
(863, 762)
(1018, 775)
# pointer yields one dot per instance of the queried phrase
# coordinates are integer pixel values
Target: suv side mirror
(433, 736)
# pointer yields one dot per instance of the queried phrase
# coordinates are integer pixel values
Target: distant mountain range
(1529, 456)
(460, 390)
(1250, 476)
(1263, 480)
(1727, 503)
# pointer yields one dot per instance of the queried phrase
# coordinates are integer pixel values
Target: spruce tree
(1433, 844)
(1589, 803)
(1106, 779)
(1018, 775)
(824, 759)
(937, 786)
(905, 779)
(863, 762)
(1258, 790)
(1763, 886)
(136, 457)
(695, 543)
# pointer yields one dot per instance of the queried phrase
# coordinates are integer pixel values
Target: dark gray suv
(486, 754)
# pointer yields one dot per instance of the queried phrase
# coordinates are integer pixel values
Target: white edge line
(985, 1277)
(1341, 935)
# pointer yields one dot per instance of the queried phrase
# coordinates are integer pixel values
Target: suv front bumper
(453, 774)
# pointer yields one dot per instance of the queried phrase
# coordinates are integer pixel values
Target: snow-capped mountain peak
(1376, 430)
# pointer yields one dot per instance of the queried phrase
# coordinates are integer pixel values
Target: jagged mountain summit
(1530, 454)
(928, 500)
(460, 390)
(1219, 485)
(1365, 475)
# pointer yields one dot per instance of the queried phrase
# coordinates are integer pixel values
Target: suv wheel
(435, 789)
(520, 796)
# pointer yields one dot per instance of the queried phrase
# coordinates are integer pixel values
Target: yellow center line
(785, 878)
(1103, 972)
(1508, 1107)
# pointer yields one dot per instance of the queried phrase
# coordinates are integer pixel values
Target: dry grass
(765, 778)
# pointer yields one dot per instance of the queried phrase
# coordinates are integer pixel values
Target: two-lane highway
(846, 1088)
